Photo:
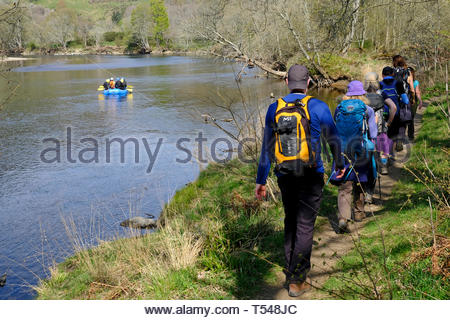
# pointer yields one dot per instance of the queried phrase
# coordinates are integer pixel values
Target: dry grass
(113, 266)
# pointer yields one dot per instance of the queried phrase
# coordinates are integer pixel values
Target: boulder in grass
(139, 223)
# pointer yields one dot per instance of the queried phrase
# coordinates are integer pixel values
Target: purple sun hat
(355, 88)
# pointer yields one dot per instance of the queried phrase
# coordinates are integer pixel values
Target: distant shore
(105, 50)
(108, 50)
(10, 59)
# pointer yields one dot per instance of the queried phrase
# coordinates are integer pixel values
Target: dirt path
(329, 246)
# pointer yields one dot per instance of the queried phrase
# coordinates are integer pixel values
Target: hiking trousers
(301, 200)
(347, 191)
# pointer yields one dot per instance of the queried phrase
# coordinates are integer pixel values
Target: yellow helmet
(106, 80)
(121, 79)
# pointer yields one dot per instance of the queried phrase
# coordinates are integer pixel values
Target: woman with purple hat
(355, 120)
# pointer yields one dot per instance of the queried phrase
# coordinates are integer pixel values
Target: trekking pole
(379, 185)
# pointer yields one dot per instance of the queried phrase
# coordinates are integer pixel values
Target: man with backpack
(292, 134)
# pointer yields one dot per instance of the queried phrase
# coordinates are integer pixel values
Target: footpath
(329, 246)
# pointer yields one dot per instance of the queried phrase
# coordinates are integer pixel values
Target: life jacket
(401, 75)
(389, 90)
(293, 151)
(351, 124)
(112, 84)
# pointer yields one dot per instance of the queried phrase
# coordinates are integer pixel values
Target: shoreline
(13, 59)
(108, 50)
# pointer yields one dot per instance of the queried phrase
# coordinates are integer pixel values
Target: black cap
(387, 71)
(298, 77)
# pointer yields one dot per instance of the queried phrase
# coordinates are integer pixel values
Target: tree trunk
(319, 69)
(349, 38)
(219, 38)
(309, 30)
(363, 35)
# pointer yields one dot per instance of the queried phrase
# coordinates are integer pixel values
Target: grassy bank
(199, 253)
(216, 242)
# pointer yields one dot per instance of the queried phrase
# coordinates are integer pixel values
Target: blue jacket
(321, 121)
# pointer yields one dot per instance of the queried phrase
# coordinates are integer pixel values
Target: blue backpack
(350, 119)
(389, 90)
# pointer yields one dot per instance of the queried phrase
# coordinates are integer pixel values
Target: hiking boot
(391, 161)
(399, 146)
(297, 289)
(368, 198)
(343, 225)
(359, 216)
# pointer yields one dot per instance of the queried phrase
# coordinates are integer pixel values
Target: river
(49, 179)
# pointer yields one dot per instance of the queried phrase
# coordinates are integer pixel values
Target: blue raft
(115, 92)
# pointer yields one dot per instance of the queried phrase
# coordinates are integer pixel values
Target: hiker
(385, 110)
(355, 122)
(416, 102)
(299, 168)
(124, 83)
(106, 84)
(402, 74)
(111, 83)
(118, 84)
(390, 88)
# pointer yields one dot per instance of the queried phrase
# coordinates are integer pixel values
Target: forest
(271, 34)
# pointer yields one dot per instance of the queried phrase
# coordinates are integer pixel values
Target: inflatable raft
(116, 92)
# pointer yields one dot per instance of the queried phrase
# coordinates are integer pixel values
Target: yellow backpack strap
(280, 104)
(305, 101)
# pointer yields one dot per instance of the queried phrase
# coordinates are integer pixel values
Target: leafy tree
(61, 25)
(160, 19)
(142, 25)
(117, 16)
(149, 20)
(12, 25)
(84, 25)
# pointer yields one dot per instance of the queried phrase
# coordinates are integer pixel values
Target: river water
(48, 200)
